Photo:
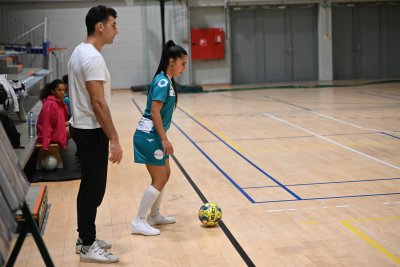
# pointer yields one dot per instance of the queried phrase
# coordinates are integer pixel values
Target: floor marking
(222, 225)
(237, 152)
(348, 123)
(323, 183)
(222, 136)
(241, 190)
(395, 136)
(371, 241)
(276, 210)
(378, 95)
(331, 141)
(310, 208)
(325, 198)
(339, 206)
(335, 119)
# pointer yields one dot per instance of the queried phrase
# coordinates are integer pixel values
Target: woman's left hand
(167, 146)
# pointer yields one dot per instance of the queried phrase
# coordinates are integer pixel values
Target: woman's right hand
(167, 146)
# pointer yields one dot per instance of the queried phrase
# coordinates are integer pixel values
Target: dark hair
(98, 14)
(50, 87)
(170, 50)
(65, 79)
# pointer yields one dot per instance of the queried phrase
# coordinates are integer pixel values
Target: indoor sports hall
(287, 118)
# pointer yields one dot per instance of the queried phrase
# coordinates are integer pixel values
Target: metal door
(244, 55)
(343, 47)
(304, 43)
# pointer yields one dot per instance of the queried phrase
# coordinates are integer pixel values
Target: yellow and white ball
(210, 214)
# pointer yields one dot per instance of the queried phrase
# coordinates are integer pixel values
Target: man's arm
(103, 116)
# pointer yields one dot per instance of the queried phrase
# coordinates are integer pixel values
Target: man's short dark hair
(98, 14)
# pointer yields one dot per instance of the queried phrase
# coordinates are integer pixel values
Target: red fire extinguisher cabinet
(208, 43)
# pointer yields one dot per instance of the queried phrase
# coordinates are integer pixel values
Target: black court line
(224, 228)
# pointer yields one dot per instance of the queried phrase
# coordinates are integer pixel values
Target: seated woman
(53, 118)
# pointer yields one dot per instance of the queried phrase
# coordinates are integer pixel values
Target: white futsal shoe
(96, 254)
(141, 227)
(102, 244)
(160, 219)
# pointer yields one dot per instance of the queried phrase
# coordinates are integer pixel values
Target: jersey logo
(159, 154)
(162, 83)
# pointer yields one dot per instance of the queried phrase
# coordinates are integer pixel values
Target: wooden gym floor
(305, 177)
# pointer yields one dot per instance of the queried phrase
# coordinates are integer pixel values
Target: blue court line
(338, 182)
(215, 164)
(390, 135)
(283, 200)
(332, 197)
(243, 157)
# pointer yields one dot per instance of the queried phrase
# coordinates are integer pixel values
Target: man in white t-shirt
(92, 128)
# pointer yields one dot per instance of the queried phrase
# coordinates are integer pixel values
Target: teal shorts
(148, 149)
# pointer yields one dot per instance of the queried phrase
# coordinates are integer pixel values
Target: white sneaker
(97, 254)
(160, 219)
(141, 227)
(102, 244)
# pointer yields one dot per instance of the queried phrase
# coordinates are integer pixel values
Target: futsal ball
(210, 214)
(49, 162)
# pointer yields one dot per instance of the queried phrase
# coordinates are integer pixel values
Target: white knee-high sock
(148, 199)
(155, 209)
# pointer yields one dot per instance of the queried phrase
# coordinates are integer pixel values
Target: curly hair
(49, 88)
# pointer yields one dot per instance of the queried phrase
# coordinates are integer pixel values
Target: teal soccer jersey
(160, 89)
(147, 143)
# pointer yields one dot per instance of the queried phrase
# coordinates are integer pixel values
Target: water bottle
(31, 125)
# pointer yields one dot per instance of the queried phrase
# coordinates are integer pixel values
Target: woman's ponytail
(164, 58)
(170, 50)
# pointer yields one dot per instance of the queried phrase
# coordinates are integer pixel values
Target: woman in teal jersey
(151, 145)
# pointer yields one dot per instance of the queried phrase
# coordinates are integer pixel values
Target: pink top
(51, 123)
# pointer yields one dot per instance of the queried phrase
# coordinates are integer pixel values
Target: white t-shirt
(86, 64)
